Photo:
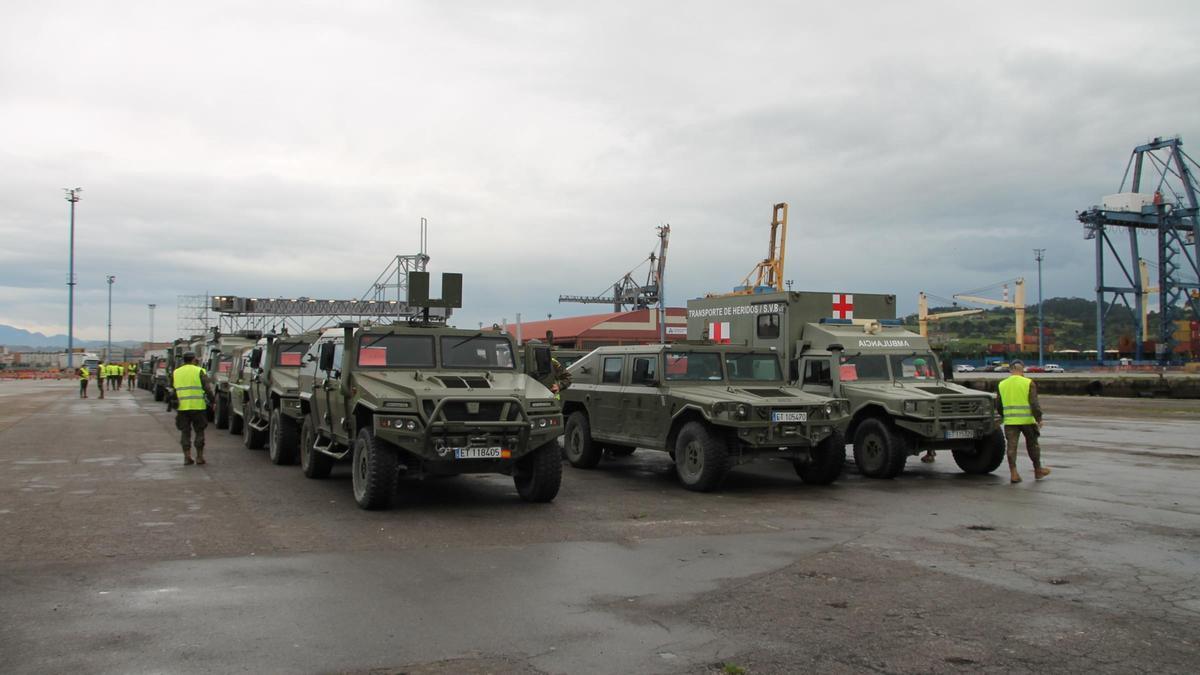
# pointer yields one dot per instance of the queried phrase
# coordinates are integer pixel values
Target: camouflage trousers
(1012, 436)
(188, 421)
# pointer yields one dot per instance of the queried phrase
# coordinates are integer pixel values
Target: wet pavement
(114, 557)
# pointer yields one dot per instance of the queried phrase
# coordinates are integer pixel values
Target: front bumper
(436, 437)
(948, 432)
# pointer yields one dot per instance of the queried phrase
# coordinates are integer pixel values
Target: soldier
(562, 379)
(191, 385)
(130, 375)
(1022, 416)
(101, 369)
(83, 373)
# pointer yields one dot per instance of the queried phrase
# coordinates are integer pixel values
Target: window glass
(393, 351)
(755, 367)
(224, 363)
(864, 367)
(693, 366)
(817, 371)
(290, 354)
(914, 367)
(768, 326)
(612, 370)
(645, 368)
(476, 352)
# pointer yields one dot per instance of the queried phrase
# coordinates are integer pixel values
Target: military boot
(1041, 473)
(1015, 477)
(187, 458)
(200, 456)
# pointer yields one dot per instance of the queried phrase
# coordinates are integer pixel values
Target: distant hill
(20, 340)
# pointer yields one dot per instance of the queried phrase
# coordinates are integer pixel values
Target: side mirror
(538, 362)
(325, 360)
(256, 357)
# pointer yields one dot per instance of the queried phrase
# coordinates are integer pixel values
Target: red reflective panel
(224, 366)
(372, 356)
(849, 372)
(289, 359)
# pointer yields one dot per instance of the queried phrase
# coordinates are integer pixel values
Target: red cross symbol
(843, 306)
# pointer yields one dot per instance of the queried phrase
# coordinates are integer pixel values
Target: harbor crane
(767, 275)
(1017, 304)
(626, 291)
(924, 317)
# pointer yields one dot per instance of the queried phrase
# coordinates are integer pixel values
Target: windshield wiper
(466, 340)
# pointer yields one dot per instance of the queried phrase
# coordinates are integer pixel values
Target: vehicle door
(335, 399)
(642, 411)
(606, 397)
(816, 375)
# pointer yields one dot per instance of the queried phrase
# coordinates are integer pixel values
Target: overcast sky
(290, 148)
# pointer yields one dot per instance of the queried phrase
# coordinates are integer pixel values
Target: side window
(768, 326)
(645, 369)
(611, 374)
(817, 371)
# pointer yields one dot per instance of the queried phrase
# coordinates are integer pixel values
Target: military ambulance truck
(852, 346)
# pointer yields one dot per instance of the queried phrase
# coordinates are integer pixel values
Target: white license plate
(479, 453)
(961, 433)
(789, 417)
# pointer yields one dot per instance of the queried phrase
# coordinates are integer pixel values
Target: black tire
(252, 438)
(826, 461)
(879, 450)
(314, 464)
(985, 458)
(701, 458)
(283, 438)
(581, 451)
(620, 450)
(538, 475)
(374, 471)
(159, 394)
(221, 412)
(236, 423)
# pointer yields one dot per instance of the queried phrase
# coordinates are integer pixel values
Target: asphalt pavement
(116, 558)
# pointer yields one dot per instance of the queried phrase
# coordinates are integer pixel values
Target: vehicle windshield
(753, 367)
(395, 351)
(477, 352)
(914, 367)
(693, 367)
(872, 367)
(224, 363)
(290, 353)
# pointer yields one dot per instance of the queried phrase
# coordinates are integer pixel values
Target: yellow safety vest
(83, 374)
(188, 387)
(1014, 397)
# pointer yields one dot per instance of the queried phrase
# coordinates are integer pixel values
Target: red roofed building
(637, 327)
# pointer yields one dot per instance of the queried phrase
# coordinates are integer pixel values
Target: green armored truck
(421, 397)
(216, 355)
(710, 406)
(852, 346)
(264, 395)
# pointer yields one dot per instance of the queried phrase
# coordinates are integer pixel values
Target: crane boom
(1017, 304)
(767, 275)
(924, 317)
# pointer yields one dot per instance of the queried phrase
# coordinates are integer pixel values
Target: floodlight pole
(1039, 254)
(152, 306)
(73, 197)
(108, 349)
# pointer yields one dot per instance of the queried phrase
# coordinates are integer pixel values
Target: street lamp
(152, 306)
(73, 197)
(1039, 254)
(108, 350)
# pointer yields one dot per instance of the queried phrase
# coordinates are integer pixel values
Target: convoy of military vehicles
(764, 373)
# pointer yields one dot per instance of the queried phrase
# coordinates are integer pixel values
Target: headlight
(743, 411)
(542, 423)
(829, 408)
(411, 425)
(910, 407)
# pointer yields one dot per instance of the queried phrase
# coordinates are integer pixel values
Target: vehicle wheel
(374, 472)
(252, 438)
(582, 452)
(159, 394)
(282, 439)
(826, 461)
(985, 458)
(236, 422)
(620, 450)
(701, 458)
(314, 464)
(879, 451)
(538, 475)
(221, 412)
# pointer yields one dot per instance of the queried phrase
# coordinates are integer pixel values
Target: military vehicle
(710, 406)
(216, 355)
(429, 400)
(566, 357)
(852, 346)
(264, 395)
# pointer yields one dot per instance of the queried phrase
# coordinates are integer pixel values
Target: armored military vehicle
(710, 406)
(216, 355)
(265, 397)
(852, 346)
(421, 397)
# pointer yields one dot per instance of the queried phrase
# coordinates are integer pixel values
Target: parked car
(1035, 369)
(1054, 368)
(964, 368)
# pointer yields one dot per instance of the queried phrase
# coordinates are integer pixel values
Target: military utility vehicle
(265, 397)
(216, 356)
(852, 346)
(421, 397)
(710, 406)
(566, 357)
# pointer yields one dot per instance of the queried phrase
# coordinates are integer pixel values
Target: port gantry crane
(924, 317)
(1017, 304)
(768, 273)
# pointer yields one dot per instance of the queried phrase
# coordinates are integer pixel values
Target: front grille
(475, 411)
(957, 406)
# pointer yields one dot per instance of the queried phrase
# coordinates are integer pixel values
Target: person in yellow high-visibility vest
(130, 375)
(190, 383)
(1022, 413)
(84, 374)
